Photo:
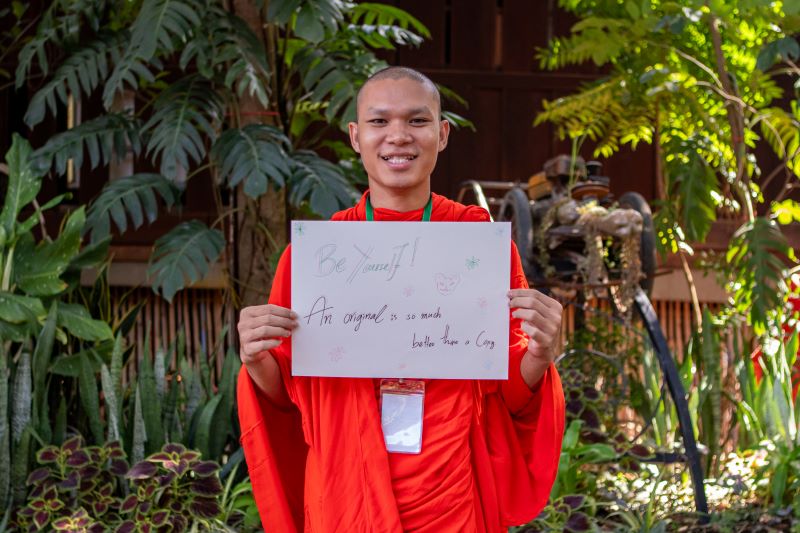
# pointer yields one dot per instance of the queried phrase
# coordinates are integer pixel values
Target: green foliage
(319, 181)
(758, 252)
(134, 197)
(255, 154)
(183, 256)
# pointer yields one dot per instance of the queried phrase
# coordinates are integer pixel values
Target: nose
(398, 133)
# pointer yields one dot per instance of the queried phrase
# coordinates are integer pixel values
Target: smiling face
(399, 136)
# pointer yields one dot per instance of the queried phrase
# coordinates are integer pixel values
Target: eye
(377, 121)
(419, 121)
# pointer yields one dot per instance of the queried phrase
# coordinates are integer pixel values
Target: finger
(265, 332)
(547, 323)
(268, 309)
(536, 301)
(254, 358)
(252, 348)
(537, 336)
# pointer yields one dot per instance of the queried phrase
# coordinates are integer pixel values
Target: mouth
(398, 159)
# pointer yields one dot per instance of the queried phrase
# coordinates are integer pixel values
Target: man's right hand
(261, 328)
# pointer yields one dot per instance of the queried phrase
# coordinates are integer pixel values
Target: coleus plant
(92, 489)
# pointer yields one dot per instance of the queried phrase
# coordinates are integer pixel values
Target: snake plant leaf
(23, 184)
(255, 154)
(22, 397)
(151, 405)
(320, 182)
(184, 256)
(19, 466)
(139, 429)
(205, 425)
(17, 308)
(224, 415)
(38, 268)
(103, 139)
(90, 399)
(77, 321)
(41, 359)
(134, 197)
(5, 431)
(112, 407)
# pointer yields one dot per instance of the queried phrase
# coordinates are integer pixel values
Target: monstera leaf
(183, 120)
(101, 137)
(254, 154)
(320, 182)
(134, 197)
(183, 256)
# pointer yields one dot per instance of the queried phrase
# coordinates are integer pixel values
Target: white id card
(402, 403)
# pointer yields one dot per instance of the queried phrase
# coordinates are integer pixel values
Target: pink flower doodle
(408, 291)
(336, 354)
(483, 303)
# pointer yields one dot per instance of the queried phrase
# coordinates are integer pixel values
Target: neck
(400, 201)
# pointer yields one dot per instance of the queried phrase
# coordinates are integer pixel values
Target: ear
(444, 134)
(352, 128)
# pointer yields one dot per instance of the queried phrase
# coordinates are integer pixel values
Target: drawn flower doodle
(483, 303)
(408, 291)
(472, 263)
(299, 228)
(336, 354)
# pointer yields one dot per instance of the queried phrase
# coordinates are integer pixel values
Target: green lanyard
(426, 214)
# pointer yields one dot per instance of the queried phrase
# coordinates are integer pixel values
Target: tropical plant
(249, 95)
(92, 488)
(37, 318)
(709, 84)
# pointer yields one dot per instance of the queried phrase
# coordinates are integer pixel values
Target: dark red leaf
(173, 447)
(161, 457)
(78, 458)
(577, 522)
(591, 394)
(590, 417)
(106, 489)
(99, 508)
(114, 450)
(48, 454)
(640, 451)
(37, 505)
(62, 524)
(574, 407)
(190, 456)
(574, 501)
(207, 486)
(142, 470)
(144, 507)
(128, 526)
(205, 468)
(72, 443)
(70, 482)
(119, 467)
(89, 472)
(159, 518)
(129, 504)
(41, 518)
(38, 475)
(204, 507)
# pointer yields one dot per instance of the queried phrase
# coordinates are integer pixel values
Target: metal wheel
(516, 208)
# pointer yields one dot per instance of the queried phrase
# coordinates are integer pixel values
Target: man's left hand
(541, 321)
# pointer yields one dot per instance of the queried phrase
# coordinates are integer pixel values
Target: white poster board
(401, 299)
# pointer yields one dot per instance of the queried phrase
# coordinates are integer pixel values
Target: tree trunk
(260, 224)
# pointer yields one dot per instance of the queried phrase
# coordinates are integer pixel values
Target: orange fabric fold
(321, 466)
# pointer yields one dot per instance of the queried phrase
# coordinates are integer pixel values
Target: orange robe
(490, 449)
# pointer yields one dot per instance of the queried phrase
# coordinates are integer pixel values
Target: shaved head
(401, 73)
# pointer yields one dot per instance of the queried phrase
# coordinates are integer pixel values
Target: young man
(314, 446)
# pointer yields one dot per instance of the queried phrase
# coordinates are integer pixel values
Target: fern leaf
(102, 137)
(183, 118)
(127, 72)
(184, 256)
(133, 196)
(697, 185)
(758, 254)
(80, 73)
(320, 182)
(781, 130)
(254, 154)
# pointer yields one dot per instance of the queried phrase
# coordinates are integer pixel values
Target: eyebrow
(413, 111)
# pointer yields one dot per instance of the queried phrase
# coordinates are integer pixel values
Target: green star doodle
(472, 263)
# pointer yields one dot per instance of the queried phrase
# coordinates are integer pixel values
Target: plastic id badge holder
(402, 403)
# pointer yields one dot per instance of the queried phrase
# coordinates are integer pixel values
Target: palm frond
(321, 183)
(781, 130)
(313, 18)
(162, 25)
(255, 154)
(134, 197)
(593, 38)
(183, 119)
(184, 256)
(103, 138)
